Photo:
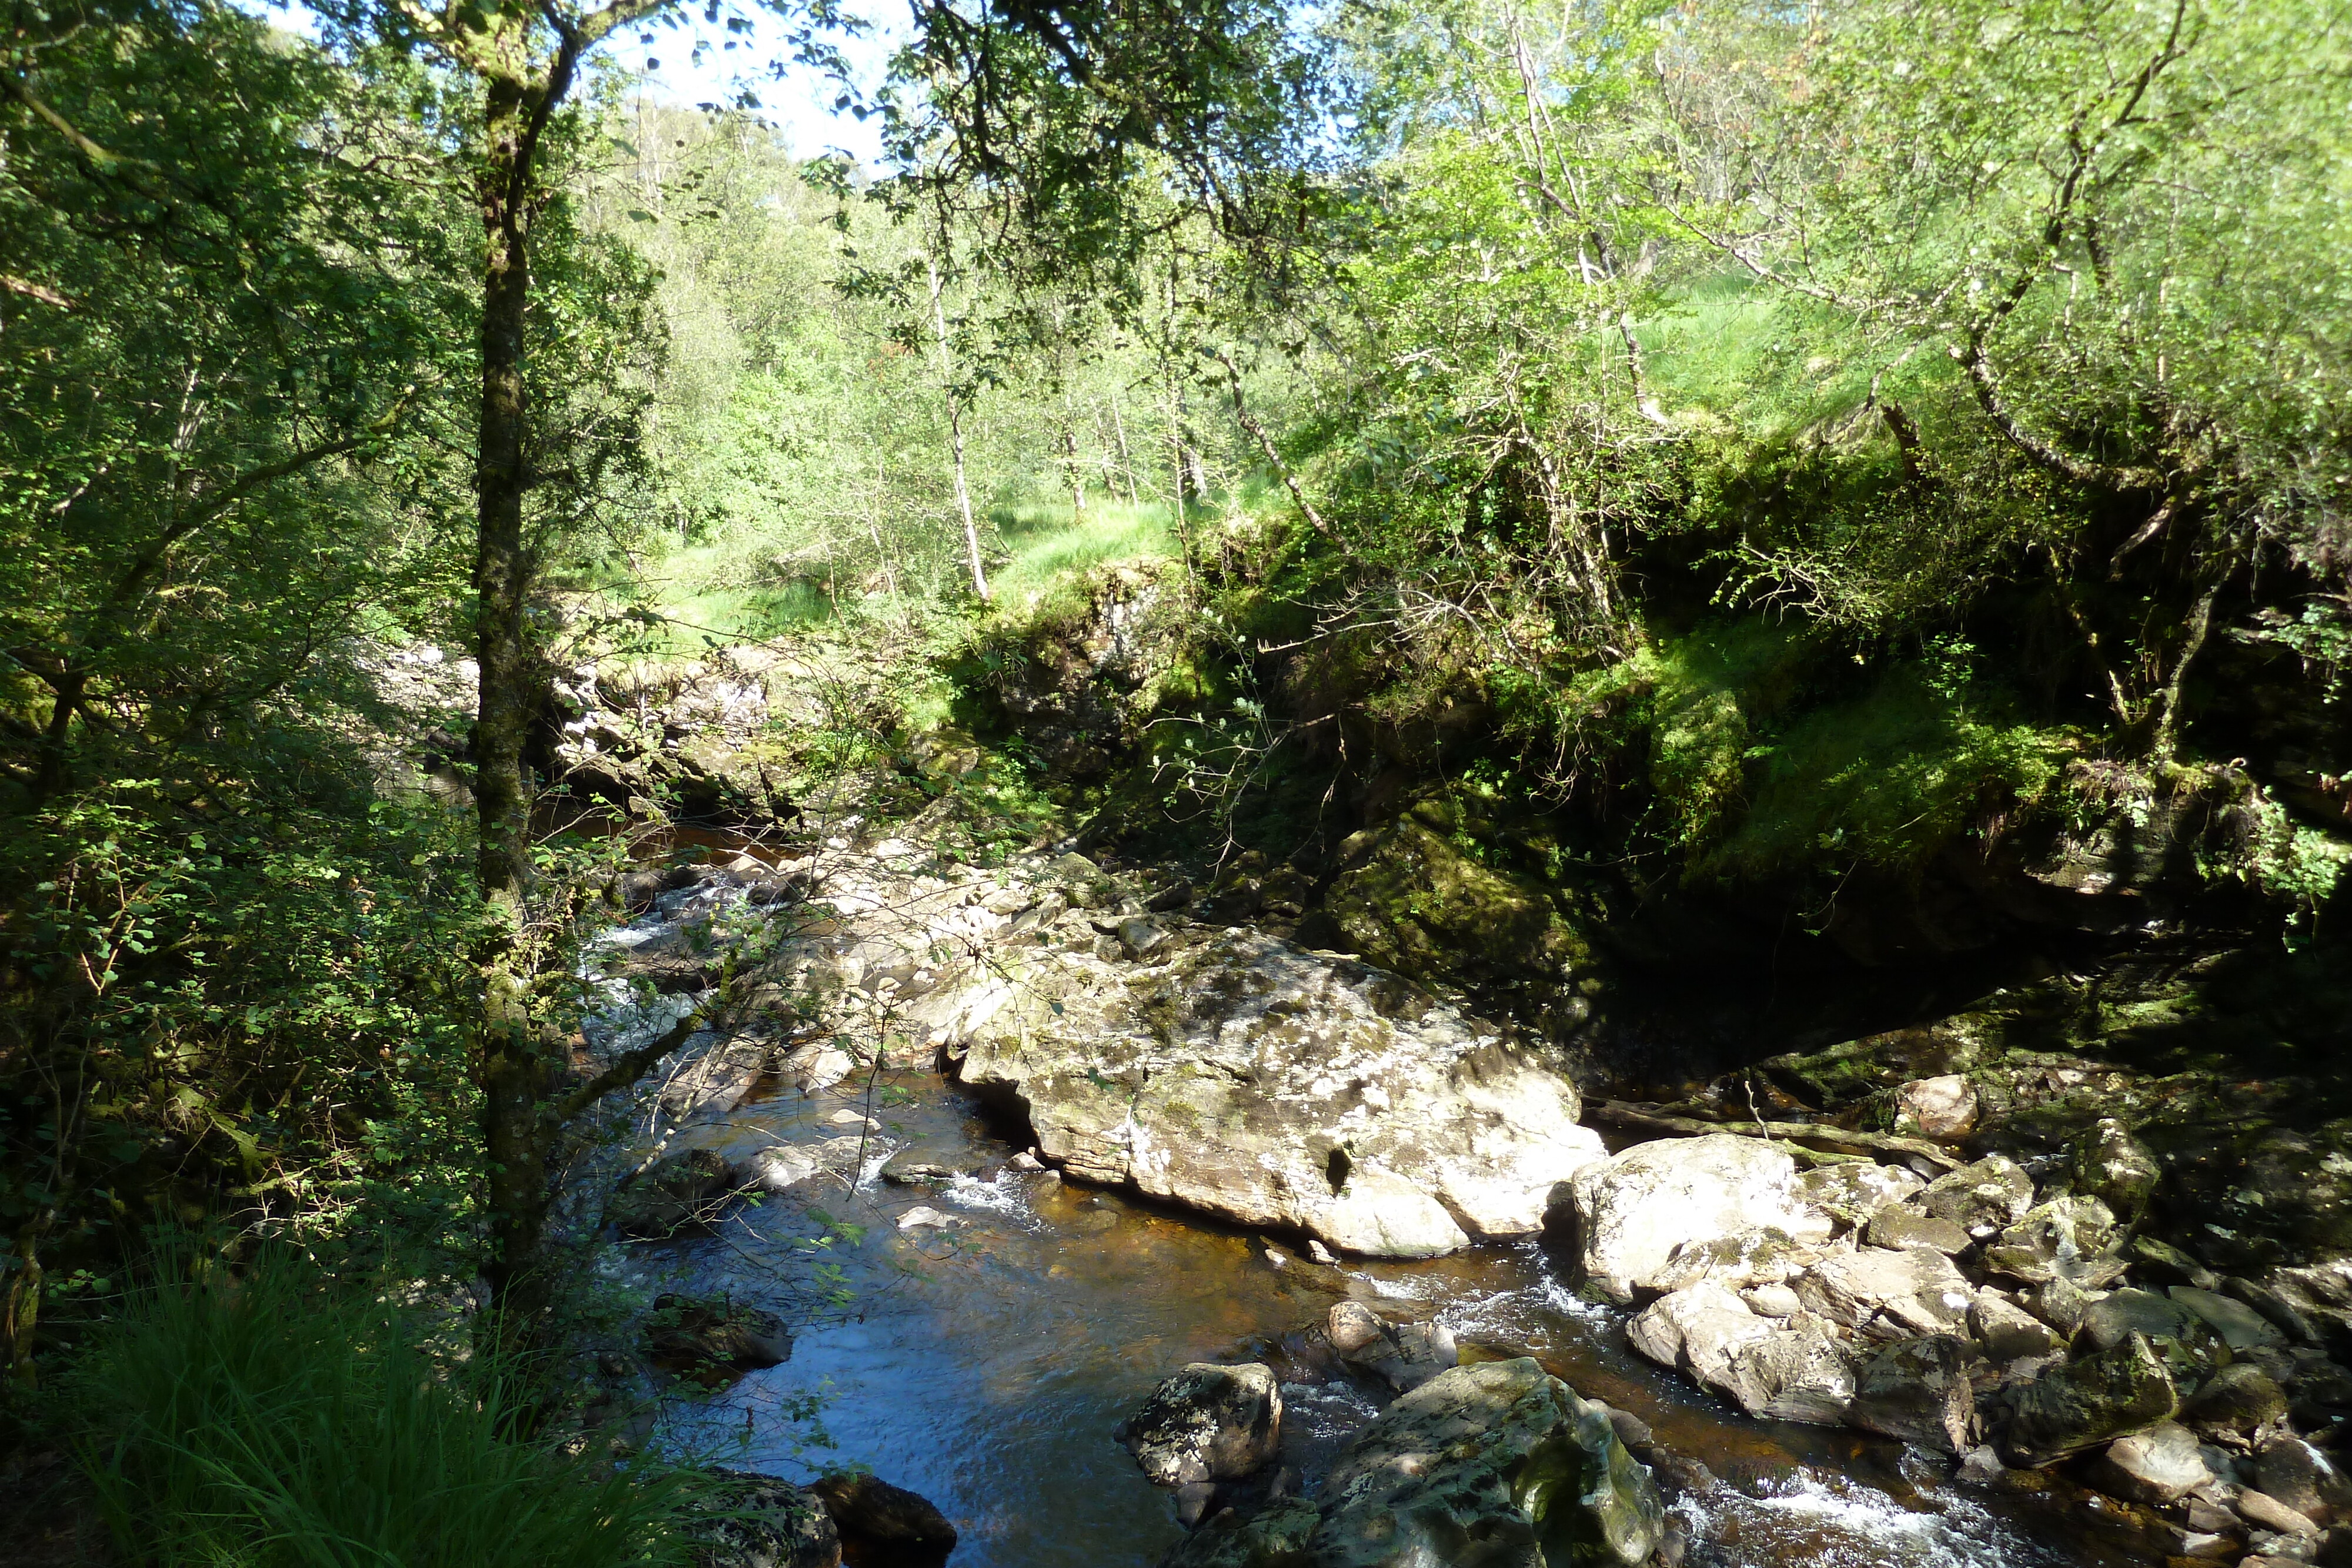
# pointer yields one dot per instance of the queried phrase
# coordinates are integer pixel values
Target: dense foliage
(1780, 449)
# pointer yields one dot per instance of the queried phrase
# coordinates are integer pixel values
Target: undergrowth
(271, 1419)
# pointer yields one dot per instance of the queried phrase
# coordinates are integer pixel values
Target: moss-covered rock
(1412, 900)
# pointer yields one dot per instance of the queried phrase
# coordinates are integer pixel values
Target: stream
(986, 1363)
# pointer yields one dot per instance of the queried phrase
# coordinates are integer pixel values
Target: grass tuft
(267, 1421)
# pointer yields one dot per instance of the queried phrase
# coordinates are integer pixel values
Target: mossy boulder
(2124, 1389)
(1485, 1463)
(1412, 899)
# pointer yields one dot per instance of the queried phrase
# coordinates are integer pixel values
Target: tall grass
(267, 1422)
(1047, 543)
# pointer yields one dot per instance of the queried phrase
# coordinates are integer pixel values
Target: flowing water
(984, 1363)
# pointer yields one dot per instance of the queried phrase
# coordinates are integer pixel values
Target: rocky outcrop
(1208, 1423)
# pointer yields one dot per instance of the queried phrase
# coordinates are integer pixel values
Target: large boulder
(1208, 1423)
(1271, 1086)
(1633, 1212)
(2086, 1403)
(1498, 1464)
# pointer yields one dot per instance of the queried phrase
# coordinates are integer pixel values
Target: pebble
(1320, 1253)
(923, 1215)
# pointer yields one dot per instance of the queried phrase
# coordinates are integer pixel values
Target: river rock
(884, 1526)
(1632, 1212)
(1767, 1256)
(1917, 1289)
(2007, 1331)
(1403, 1355)
(1898, 1227)
(1276, 1087)
(2113, 1167)
(677, 1192)
(2239, 1326)
(1498, 1463)
(2157, 1466)
(760, 1521)
(1208, 1423)
(1919, 1391)
(781, 1166)
(2083, 1404)
(1943, 1109)
(1793, 1371)
(2117, 1316)
(717, 1081)
(703, 1335)
(1982, 1198)
(2240, 1398)
(1853, 1190)
(2070, 1238)
(931, 1163)
(2268, 1512)
(2304, 1479)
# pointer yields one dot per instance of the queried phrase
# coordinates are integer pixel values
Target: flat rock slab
(1274, 1086)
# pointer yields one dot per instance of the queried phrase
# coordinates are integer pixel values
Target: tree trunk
(955, 434)
(512, 1071)
(1125, 463)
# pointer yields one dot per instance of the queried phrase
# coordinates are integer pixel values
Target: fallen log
(1797, 1133)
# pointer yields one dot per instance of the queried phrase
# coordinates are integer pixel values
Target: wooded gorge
(1268, 609)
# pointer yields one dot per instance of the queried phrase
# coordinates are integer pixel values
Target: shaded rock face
(1208, 1423)
(1918, 1390)
(1280, 1536)
(1274, 1086)
(1632, 1212)
(1497, 1464)
(1081, 685)
(760, 1521)
(1413, 901)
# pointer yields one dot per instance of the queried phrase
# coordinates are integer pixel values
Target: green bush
(271, 1419)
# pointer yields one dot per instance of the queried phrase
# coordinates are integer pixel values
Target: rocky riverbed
(1126, 1061)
